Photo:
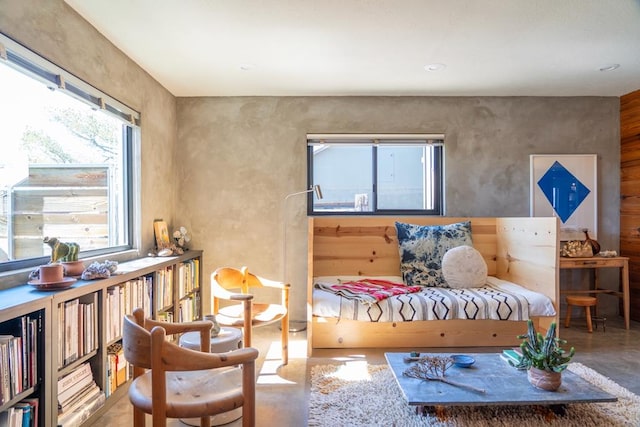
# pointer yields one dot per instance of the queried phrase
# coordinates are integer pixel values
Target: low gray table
(503, 385)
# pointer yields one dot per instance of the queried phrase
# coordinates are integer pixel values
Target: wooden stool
(580, 301)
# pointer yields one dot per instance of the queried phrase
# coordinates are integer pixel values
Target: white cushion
(464, 267)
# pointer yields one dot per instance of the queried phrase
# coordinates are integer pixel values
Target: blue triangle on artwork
(563, 190)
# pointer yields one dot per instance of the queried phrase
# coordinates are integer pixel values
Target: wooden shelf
(25, 300)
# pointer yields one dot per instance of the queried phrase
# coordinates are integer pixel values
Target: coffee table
(502, 384)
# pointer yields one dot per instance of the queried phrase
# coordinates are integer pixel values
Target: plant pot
(545, 380)
(73, 268)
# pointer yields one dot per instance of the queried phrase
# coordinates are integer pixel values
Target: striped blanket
(368, 291)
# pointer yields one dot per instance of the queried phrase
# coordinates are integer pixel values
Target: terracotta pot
(73, 268)
(545, 380)
(50, 273)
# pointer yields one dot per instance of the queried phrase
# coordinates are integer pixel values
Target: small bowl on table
(462, 360)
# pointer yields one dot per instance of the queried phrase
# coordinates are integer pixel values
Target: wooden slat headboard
(369, 245)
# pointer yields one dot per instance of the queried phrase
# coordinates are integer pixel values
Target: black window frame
(437, 141)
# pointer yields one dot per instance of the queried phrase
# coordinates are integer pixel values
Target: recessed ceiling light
(434, 67)
(609, 67)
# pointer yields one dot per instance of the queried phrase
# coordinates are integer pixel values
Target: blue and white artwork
(565, 186)
(563, 190)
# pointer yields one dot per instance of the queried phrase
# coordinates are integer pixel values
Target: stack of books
(18, 359)
(78, 396)
(512, 355)
(22, 414)
(118, 372)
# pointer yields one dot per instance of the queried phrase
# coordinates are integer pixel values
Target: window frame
(24, 60)
(376, 140)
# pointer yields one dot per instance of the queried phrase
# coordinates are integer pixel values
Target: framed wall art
(565, 186)
(161, 232)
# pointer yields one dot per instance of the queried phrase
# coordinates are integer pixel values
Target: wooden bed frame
(521, 250)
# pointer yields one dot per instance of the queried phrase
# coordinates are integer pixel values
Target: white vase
(215, 330)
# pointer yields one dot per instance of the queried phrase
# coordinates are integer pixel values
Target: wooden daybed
(520, 250)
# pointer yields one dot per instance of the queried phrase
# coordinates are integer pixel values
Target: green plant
(61, 251)
(543, 351)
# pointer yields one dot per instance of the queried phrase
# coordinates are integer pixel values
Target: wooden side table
(597, 263)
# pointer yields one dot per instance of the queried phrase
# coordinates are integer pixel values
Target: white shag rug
(367, 395)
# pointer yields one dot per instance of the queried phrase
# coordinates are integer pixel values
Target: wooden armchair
(225, 280)
(183, 383)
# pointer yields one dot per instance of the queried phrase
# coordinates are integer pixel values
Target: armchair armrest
(268, 282)
(180, 328)
(180, 358)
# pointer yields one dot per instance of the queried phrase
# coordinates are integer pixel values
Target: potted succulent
(67, 254)
(543, 357)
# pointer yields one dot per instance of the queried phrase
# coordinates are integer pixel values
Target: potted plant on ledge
(67, 254)
(543, 357)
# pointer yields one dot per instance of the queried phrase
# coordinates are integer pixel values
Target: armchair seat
(233, 315)
(192, 393)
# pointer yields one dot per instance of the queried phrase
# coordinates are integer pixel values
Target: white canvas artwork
(565, 186)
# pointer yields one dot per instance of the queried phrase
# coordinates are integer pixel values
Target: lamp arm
(298, 192)
(285, 221)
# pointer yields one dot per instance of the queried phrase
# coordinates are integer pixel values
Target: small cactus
(543, 351)
(61, 251)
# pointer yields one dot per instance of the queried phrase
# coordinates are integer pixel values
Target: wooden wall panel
(630, 192)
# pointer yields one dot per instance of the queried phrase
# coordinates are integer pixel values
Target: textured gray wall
(222, 166)
(240, 157)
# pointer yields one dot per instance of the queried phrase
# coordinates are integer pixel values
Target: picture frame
(566, 186)
(161, 232)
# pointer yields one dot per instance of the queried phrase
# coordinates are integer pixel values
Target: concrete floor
(282, 391)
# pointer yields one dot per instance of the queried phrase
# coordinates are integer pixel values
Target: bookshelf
(80, 328)
(19, 307)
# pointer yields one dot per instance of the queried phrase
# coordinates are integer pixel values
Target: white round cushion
(464, 267)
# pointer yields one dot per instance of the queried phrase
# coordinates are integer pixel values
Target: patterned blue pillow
(422, 248)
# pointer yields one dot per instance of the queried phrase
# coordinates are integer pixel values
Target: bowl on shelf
(462, 360)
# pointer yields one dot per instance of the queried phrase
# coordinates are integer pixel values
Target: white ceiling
(377, 47)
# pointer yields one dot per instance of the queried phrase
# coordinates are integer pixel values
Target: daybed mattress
(497, 300)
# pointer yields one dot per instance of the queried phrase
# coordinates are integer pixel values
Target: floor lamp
(294, 326)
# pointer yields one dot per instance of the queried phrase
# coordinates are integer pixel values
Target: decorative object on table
(164, 252)
(215, 329)
(543, 357)
(73, 268)
(182, 237)
(161, 232)
(595, 246)
(608, 254)
(434, 368)
(580, 248)
(100, 270)
(462, 360)
(565, 186)
(49, 277)
(67, 254)
(576, 249)
(62, 251)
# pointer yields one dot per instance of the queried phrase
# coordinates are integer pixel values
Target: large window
(65, 168)
(376, 174)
